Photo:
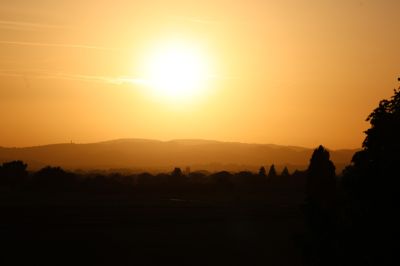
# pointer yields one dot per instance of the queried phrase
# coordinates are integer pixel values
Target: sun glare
(177, 71)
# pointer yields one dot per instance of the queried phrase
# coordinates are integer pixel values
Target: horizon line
(172, 140)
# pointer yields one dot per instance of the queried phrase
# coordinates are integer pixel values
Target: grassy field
(118, 230)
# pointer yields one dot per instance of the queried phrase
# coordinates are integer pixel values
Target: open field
(107, 231)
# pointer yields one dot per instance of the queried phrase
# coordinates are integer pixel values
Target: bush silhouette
(13, 173)
(222, 178)
(54, 178)
(177, 172)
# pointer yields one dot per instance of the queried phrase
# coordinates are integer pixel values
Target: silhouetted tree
(262, 171)
(372, 182)
(374, 169)
(321, 182)
(177, 178)
(272, 172)
(320, 214)
(54, 178)
(13, 173)
(144, 178)
(285, 172)
(223, 178)
(177, 172)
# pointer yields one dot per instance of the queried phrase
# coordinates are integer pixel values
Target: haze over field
(137, 154)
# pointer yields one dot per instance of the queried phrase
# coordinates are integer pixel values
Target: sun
(177, 71)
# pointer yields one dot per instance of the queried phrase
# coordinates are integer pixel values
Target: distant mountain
(153, 155)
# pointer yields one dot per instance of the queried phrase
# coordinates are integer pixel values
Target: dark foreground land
(65, 229)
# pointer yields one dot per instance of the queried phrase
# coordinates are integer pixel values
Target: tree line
(350, 219)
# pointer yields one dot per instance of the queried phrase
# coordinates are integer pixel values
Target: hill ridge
(150, 154)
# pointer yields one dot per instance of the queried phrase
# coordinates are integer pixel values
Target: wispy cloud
(28, 74)
(44, 74)
(27, 26)
(101, 79)
(61, 45)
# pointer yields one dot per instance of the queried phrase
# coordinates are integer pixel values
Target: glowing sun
(177, 71)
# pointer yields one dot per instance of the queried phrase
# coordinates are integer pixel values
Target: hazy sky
(299, 72)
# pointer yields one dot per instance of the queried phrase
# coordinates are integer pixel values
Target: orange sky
(285, 72)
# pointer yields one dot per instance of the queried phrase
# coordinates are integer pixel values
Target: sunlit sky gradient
(303, 72)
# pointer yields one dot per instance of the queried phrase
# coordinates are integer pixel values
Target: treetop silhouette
(374, 168)
(13, 172)
(321, 177)
(262, 171)
(285, 172)
(272, 172)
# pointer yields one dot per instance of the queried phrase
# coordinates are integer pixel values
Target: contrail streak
(41, 44)
(21, 25)
(43, 74)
